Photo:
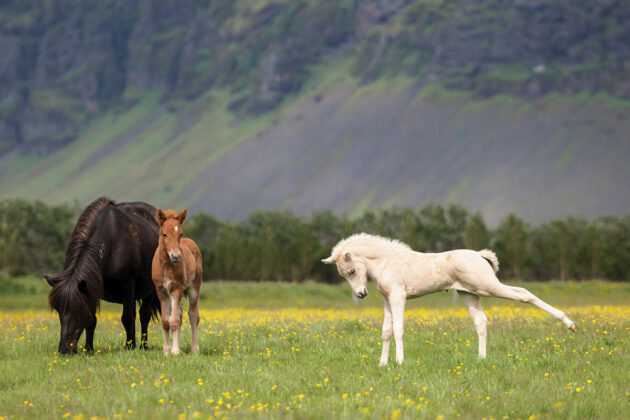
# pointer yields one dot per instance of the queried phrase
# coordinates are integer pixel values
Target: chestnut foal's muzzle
(175, 258)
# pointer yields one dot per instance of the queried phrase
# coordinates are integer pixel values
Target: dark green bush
(281, 246)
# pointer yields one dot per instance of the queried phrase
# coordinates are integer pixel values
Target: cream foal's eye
(352, 271)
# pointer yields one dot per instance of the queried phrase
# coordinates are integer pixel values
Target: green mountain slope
(233, 106)
(347, 146)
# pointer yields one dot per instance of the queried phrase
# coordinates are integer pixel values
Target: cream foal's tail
(491, 257)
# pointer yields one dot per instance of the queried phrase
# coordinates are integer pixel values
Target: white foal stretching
(401, 273)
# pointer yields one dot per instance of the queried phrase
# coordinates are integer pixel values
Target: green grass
(32, 293)
(268, 352)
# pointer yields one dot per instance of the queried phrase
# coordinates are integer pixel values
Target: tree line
(281, 246)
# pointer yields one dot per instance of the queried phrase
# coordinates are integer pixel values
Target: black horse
(108, 257)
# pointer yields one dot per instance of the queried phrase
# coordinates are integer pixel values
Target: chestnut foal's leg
(175, 320)
(165, 305)
(193, 316)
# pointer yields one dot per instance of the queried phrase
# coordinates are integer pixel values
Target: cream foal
(401, 273)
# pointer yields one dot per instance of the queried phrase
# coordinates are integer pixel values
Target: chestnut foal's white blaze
(401, 273)
(176, 272)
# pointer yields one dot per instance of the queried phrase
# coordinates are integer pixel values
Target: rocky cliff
(64, 61)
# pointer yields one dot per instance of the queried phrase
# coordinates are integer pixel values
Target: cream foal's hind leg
(480, 321)
(523, 295)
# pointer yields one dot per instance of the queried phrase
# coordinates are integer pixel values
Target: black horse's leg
(89, 335)
(145, 318)
(129, 320)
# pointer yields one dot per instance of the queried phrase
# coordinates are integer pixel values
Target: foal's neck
(370, 265)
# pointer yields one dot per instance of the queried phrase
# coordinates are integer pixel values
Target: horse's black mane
(81, 266)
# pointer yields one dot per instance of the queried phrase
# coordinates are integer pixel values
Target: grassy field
(281, 350)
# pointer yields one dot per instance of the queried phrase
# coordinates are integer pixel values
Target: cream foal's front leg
(387, 332)
(397, 304)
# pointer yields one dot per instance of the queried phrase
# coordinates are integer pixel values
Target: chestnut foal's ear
(328, 260)
(182, 216)
(347, 256)
(161, 217)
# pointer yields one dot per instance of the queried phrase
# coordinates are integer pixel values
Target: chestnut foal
(176, 271)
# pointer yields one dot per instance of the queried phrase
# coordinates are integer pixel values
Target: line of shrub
(279, 245)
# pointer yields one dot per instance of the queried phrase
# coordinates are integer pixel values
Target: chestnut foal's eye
(352, 271)
(164, 235)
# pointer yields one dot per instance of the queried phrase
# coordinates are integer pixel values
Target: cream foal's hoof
(382, 363)
(195, 350)
(175, 352)
(166, 351)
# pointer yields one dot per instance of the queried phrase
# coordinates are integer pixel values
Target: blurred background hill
(231, 106)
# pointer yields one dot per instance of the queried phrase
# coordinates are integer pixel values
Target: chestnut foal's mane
(170, 214)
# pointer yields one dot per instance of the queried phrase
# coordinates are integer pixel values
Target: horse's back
(129, 240)
(143, 211)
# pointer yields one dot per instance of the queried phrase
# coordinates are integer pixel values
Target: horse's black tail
(154, 304)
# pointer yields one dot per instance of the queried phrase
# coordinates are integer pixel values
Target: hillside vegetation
(232, 106)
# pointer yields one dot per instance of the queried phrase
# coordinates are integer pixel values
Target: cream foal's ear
(328, 260)
(347, 256)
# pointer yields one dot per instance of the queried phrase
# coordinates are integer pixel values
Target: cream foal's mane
(368, 240)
